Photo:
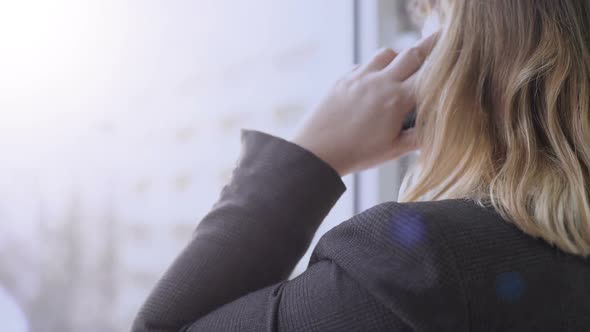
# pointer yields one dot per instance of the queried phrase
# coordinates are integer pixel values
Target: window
(121, 124)
(382, 23)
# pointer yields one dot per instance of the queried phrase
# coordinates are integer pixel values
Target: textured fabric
(429, 266)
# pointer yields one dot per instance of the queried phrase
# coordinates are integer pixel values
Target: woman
(494, 234)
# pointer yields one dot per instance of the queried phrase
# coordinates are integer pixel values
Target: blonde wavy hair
(504, 114)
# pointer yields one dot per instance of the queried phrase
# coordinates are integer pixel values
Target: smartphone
(410, 121)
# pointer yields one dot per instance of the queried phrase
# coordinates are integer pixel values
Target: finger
(410, 82)
(405, 98)
(410, 88)
(405, 143)
(380, 60)
(355, 67)
(410, 60)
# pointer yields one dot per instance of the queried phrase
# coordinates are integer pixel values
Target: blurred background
(120, 125)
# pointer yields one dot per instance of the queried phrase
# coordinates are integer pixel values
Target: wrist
(321, 154)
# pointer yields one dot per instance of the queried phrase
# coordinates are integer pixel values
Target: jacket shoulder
(400, 254)
(405, 227)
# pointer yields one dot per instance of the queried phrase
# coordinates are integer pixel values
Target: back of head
(504, 114)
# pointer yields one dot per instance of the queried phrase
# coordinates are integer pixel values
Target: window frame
(376, 23)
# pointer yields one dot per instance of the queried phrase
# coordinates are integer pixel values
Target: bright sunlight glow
(38, 42)
(49, 51)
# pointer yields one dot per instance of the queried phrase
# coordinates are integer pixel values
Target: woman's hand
(358, 125)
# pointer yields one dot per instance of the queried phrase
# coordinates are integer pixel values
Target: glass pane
(121, 124)
(397, 30)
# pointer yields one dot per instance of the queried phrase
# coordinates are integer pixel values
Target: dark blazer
(431, 266)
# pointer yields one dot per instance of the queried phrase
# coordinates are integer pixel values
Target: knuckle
(363, 89)
(397, 98)
(347, 83)
(358, 86)
(385, 52)
(372, 82)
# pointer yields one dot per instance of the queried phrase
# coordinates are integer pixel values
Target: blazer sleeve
(386, 269)
(254, 235)
(324, 298)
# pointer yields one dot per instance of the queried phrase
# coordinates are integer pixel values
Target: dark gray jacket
(432, 266)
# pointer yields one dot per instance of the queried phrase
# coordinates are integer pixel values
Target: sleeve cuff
(270, 145)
